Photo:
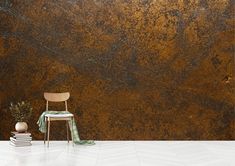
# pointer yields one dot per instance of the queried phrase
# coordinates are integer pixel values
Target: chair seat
(59, 115)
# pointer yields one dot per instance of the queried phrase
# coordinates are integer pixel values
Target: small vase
(21, 127)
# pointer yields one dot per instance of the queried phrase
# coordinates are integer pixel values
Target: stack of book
(20, 139)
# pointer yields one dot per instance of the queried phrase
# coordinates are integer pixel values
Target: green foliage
(21, 111)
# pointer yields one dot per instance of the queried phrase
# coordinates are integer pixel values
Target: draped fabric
(72, 126)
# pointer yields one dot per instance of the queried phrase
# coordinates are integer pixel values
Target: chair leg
(45, 134)
(48, 132)
(67, 127)
(72, 119)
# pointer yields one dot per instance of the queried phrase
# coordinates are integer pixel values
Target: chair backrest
(57, 97)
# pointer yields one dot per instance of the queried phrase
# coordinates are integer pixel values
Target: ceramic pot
(21, 127)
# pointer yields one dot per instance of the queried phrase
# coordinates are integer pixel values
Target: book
(20, 134)
(20, 145)
(20, 139)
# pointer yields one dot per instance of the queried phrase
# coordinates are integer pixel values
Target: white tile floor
(121, 153)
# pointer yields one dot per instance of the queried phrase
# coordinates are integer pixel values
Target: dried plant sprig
(21, 111)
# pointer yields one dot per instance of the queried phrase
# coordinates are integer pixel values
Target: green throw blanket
(72, 125)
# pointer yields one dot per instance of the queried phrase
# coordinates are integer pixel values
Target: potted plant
(21, 112)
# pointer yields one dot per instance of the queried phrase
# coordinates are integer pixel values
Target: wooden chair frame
(57, 97)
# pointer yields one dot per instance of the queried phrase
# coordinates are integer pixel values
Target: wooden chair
(57, 97)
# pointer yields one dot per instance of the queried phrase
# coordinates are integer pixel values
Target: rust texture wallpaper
(136, 70)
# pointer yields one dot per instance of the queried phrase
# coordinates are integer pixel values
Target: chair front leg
(67, 127)
(45, 134)
(71, 130)
(48, 132)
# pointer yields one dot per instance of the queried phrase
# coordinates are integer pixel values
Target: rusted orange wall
(141, 69)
